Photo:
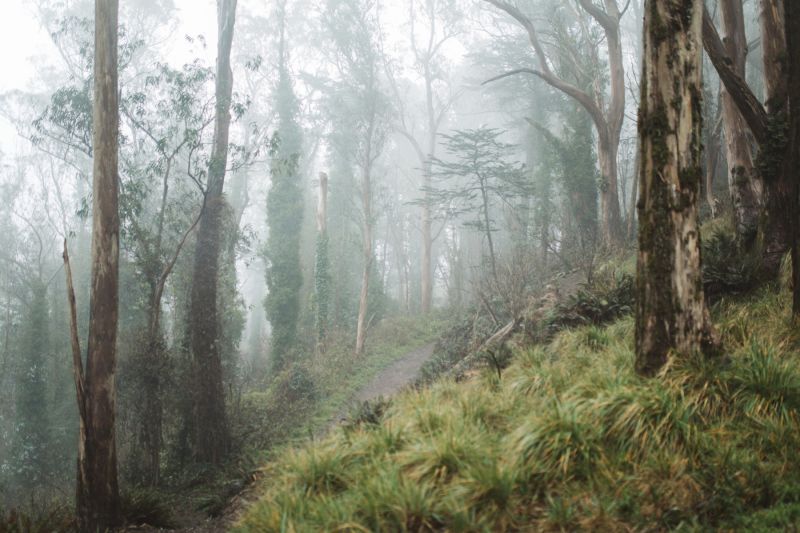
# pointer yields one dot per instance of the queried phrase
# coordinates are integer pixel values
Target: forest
(399, 265)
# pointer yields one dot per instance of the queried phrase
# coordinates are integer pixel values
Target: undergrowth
(569, 438)
(305, 396)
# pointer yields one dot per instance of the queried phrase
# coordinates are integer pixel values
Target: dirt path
(392, 379)
(387, 382)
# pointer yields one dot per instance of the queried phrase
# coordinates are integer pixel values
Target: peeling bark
(671, 314)
(97, 492)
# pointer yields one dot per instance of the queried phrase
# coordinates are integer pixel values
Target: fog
(371, 173)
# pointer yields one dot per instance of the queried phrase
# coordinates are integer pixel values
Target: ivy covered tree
(322, 263)
(284, 215)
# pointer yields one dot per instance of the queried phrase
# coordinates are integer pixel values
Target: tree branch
(77, 361)
(582, 97)
(751, 109)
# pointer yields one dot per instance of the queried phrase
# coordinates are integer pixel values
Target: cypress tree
(284, 216)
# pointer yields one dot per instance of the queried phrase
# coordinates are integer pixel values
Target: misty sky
(25, 46)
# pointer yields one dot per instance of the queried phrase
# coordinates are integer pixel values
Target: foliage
(30, 462)
(56, 518)
(461, 337)
(593, 304)
(284, 218)
(727, 268)
(569, 438)
(147, 507)
(476, 177)
(306, 396)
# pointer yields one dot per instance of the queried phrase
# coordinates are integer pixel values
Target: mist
(232, 229)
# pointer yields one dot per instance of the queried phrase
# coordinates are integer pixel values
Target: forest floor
(569, 437)
(386, 383)
(389, 381)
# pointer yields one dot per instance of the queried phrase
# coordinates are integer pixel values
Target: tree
(322, 267)
(743, 180)
(777, 227)
(671, 312)
(792, 18)
(479, 177)
(32, 427)
(210, 439)
(767, 124)
(438, 20)
(98, 503)
(284, 214)
(361, 115)
(607, 119)
(167, 121)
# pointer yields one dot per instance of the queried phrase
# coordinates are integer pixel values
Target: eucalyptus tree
(97, 495)
(167, 119)
(322, 265)
(745, 184)
(767, 123)
(792, 21)
(607, 117)
(361, 120)
(433, 24)
(210, 436)
(671, 312)
(25, 261)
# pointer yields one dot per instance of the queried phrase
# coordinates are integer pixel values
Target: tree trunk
(487, 227)
(631, 226)
(427, 236)
(743, 182)
(609, 196)
(210, 437)
(749, 106)
(608, 122)
(712, 154)
(322, 280)
(610, 220)
(671, 313)
(98, 504)
(152, 410)
(792, 20)
(426, 265)
(776, 226)
(363, 300)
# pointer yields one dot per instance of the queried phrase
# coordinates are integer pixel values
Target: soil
(388, 382)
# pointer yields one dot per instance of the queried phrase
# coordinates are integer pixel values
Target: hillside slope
(569, 438)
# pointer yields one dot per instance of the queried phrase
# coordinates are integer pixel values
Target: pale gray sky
(25, 47)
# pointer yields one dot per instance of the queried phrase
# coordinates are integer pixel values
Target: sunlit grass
(569, 438)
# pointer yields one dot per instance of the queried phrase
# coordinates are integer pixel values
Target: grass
(305, 398)
(569, 439)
